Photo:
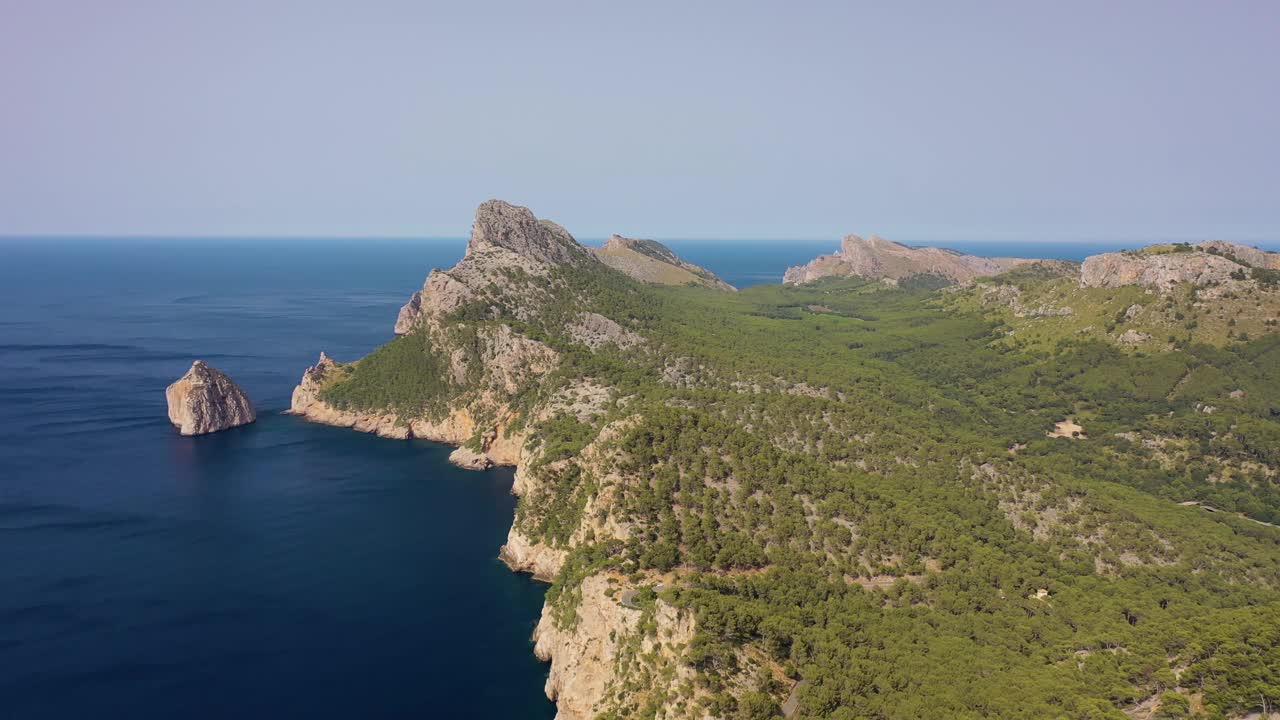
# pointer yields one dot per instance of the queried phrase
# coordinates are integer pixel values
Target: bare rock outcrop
(1243, 254)
(585, 657)
(205, 400)
(1161, 271)
(514, 228)
(595, 330)
(875, 258)
(468, 459)
(524, 555)
(1011, 295)
(506, 241)
(582, 658)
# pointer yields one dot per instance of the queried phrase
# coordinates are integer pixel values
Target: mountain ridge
(877, 258)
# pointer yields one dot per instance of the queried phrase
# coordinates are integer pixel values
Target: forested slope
(847, 495)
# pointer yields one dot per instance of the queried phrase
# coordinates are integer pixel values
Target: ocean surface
(283, 569)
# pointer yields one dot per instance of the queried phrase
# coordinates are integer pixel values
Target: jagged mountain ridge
(508, 240)
(876, 258)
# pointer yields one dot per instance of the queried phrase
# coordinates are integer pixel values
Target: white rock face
(469, 459)
(584, 659)
(1112, 270)
(205, 400)
(504, 238)
(1243, 253)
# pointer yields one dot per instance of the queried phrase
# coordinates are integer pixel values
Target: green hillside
(854, 491)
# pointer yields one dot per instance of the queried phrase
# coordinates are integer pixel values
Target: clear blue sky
(1017, 120)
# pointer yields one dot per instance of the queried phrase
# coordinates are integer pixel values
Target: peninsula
(842, 498)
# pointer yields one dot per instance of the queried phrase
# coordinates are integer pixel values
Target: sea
(281, 569)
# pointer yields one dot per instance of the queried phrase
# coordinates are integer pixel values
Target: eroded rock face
(878, 259)
(524, 555)
(1162, 271)
(584, 658)
(468, 459)
(505, 239)
(595, 330)
(508, 241)
(1243, 253)
(502, 225)
(205, 400)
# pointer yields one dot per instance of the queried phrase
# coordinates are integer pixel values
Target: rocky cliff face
(651, 261)
(506, 241)
(486, 321)
(1161, 271)
(1160, 268)
(605, 643)
(878, 259)
(1244, 254)
(205, 400)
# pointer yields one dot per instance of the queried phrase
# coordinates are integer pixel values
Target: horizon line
(906, 239)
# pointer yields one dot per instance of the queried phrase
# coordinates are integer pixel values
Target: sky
(1020, 120)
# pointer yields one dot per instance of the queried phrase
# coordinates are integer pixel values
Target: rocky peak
(502, 225)
(852, 245)
(876, 258)
(505, 239)
(651, 261)
(652, 248)
(307, 392)
(205, 400)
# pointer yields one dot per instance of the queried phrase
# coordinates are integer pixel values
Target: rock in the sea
(205, 400)
(469, 459)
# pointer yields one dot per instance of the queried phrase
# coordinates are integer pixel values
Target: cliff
(875, 258)
(492, 394)
(746, 502)
(606, 646)
(1164, 266)
(205, 400)
(651, 261)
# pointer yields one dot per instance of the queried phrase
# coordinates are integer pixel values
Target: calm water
(281, 569)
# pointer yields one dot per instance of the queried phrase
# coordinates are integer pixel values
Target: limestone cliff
(205, 400)
(605, 643)
(1243, 254)
(878, 259)
(493, 331)
(1160, 270)
(651, 261)
(506, 241)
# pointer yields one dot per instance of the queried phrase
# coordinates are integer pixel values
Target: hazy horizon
(923, 123)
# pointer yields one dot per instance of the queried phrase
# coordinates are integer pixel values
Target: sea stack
(205, 400)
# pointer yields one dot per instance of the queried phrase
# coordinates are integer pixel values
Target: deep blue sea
(282, 569)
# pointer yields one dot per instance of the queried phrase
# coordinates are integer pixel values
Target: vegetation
(857, 483)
